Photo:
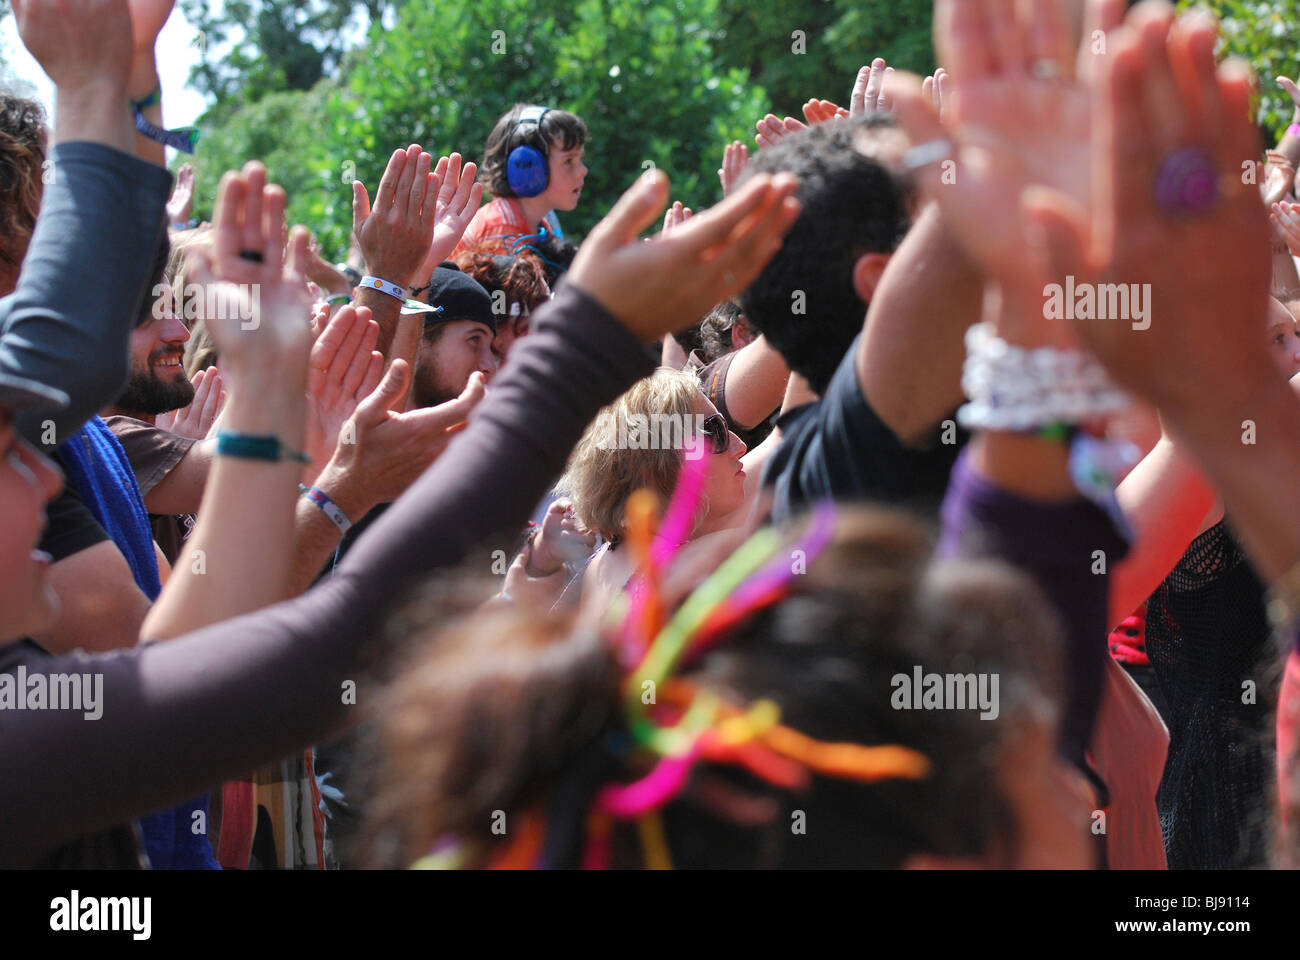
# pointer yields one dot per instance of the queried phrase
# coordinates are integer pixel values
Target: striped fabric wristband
(383, 286)
(328, 507)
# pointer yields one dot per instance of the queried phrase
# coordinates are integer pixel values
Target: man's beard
(148, 394)
(426, 391)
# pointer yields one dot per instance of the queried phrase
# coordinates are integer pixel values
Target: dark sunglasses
(715, 427)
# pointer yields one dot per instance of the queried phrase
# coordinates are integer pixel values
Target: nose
(487, 361)
(45, 476)
(736, 442)
(174, 331)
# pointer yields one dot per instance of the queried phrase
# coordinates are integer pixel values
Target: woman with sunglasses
(641, 441)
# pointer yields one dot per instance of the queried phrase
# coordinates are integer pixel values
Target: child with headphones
(532, 166)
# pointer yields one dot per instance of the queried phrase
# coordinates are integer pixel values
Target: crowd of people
(918, 504)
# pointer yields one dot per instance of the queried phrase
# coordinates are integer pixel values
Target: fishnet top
(1207, 634)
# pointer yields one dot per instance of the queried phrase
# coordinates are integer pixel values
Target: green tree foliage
(1263, 33)
(251, 48)
(662, 82)
(839, 37)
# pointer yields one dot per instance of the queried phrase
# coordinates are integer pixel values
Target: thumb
(360, 204)
(457, 411)
(640, 204)
(389, 395)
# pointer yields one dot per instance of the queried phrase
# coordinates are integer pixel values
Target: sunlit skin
(724, 480)
(443, 368)
(28, 481)
(1283, 339)
(564, 189)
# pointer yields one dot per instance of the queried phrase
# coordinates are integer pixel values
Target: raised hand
(1019, 118)
(457, 200)
(343, 370)
(263, 308)
(771, 130)
(1292, 91)
(196, 419)
(559, 541)
(390, 449)
(1161, 95)
(182, 198)
(1279, 177)
(395, 234)
(1285, 218)
(649, 287)
(675, 216)
(822, 111)
(938, 87)
(80, 44)
(735, 157)
(869, 94)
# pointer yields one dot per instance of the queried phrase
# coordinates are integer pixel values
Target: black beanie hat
(460, 296)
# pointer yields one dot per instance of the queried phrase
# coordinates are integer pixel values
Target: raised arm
(178, 716)
(101, 220)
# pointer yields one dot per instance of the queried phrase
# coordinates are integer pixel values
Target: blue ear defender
(526, 167)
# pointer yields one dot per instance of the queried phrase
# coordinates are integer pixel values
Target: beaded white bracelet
(1020, 389)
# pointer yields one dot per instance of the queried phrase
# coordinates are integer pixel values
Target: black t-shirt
(838, 447)
(70, 526)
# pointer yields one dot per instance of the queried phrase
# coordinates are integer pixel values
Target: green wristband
(246, 446)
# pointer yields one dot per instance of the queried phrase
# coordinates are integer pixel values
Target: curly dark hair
(852, 205)
(558, 128)
(22, 156)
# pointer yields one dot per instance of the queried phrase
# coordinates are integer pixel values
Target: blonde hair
(600, 476)
(200, 351)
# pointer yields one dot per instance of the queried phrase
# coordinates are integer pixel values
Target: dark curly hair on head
(22, 155)
(558, 128)
(852, 206)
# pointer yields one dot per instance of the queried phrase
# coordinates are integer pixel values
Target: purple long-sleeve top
(182, 715)
(1068, 549)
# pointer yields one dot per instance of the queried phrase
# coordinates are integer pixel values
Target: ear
(866, 274)
(741, 334)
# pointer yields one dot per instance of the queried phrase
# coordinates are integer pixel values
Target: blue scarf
(98, 469)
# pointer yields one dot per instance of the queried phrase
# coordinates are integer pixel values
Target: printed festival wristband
(328, 507)
(383, 286)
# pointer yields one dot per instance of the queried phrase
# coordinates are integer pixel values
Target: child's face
(567, 174)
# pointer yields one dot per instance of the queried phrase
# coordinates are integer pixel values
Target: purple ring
(1188, 183)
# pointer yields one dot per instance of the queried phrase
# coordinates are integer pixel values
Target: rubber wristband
(338, 300)
(383, 286)
(151, 100)
(182, 138)
(1293, 130)
(327, 506)
(246, 446)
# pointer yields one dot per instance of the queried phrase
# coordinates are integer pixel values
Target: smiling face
(567, 173)
(28, 481)
(158, 382)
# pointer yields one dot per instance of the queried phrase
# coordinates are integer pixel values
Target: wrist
(337, 481)
(535, 566)
(144, 76)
